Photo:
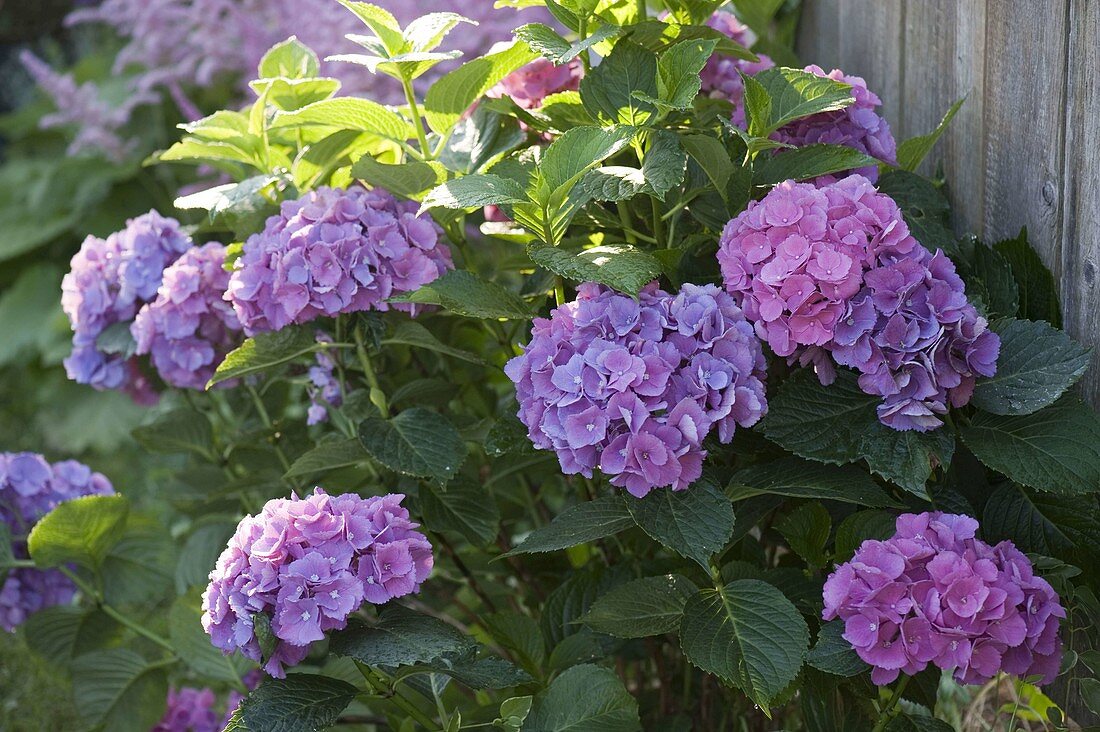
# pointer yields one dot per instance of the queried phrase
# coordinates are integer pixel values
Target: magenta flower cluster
(189, 327)
(632, 387)
(721, 77)
(109, 281)
(830, 272)
(529, 85)
(307, 564)
(334, 251)
(934, 593)
(30, 487)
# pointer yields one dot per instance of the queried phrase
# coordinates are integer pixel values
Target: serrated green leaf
(1056, 449)
(1037, 364)
(140, 565)
(298, 703)
(410, 180)
(995, 283)
(749, 634)
(834, 655)
(823, 423)
(193, 645)
(428, 31)
(859, 527)
(401, 637)
(678, 68)
(328, 456)
(578, 524)
(908, 457)
(1038, 293)
(180, 430)
(642, 607)
(200, 552)
(381, 21)
(610, 90)
(465, 507)
(917, 723)
(695, 523)
(481, 139)
(416, 442)
(118, 690)
(809, 162)
(584, 698)
(264, 351)
(481, 673)
(79, 531)
(453, 93)
(576, 152)
(464, 293)
(545, 40)
(1055, 526)
(793, 94)
(799, 478)
(619, 266)
(62, 632)
(291, 59)
(348, 113)
(520, 636)
(474, 191)
(914, 150)
(410, 333)
(806, 530)
(924, 208)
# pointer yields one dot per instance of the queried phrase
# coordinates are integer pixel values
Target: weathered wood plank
(872, 46)
(819, 33)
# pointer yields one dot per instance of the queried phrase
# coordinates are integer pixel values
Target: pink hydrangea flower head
(632, 387)
(529, 85)
(30, 487)
(189, 327)
(307, 564)
(335, 251)
(935, 594)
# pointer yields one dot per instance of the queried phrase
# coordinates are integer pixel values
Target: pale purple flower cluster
(190, 710)
(634, 386)
(307, 564)
(324, 387)
(933, 593)
(189, 327)
(335, 251)
(109, 281)
(30, 488)
(529, 85)
(830, 271)
(721, 76)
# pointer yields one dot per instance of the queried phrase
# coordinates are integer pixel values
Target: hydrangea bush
(644, 386)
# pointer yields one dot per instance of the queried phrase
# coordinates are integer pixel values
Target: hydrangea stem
(385, 690)
(418, 123)
(377, 396)
(110, 612)
(887, 712)
(266, 419)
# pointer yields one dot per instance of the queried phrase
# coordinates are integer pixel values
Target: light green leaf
(913, 151)
(193, 645)
(465, 507)
(410, 333)
(118, 690)
(291, 95)
(799, 478)
(401, 637)
(678, 68)
(578, 524)
(417, 442)
(348, 113)
(464, 293)
(265, 351)
(810, 162)
(428, 31)
(794, 94)
(609, 91)
(451, 96)
(328, 456)
(63, 632)
(191, 149)
(1037, 364)
(620, 266)
(474, 191)
(410, 180)
(79, 531)
(290, 59)
(747, 633)
(381, 21)
(584, 698)
(201, 551)
(642, 607)
(695, 523)
(298, 703)
(545, 40)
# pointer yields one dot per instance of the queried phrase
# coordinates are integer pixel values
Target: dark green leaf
(1041, 523)
(545, 40)
(906, 457)
(466, 507)
(264, 351)
(916, 723)
(578, 524)
(480, 140)
(401, 637)
(180, 430)
(642, 607)
(809, 162)
(327, 456)
(619, 266)
(858, 528)
(695, 523)
(924, 208)
(416, 442)
(62, 632)
(1038, 293)
(997, 285)
(609, 90)
(465, 293)
(79, 531)
(481, 673)
(794, 94)
(118, 691)
(823, 423)
(832, 654)
(806, 530)
(520, 636)
(201, 551)
(804, 479)
(508, 436)
(584, 698)
(193, 645)
(298, 703)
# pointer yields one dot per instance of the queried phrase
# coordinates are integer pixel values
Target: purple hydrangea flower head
(189, 327)
(190, 710)
(632, 387)
(324, 387)
(30, 488)
(529, 85)
(335, 251)
(307, 564)
(109, 281)
(721, 76)
(934, 593)
(794, 258)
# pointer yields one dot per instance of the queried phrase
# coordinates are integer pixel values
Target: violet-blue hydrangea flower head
(935, 594)
(30, 487)
(335, 251)
(307, 564)
(632, 387)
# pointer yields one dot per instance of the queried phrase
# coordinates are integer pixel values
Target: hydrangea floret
(324, 386)
(935, 594)
(30, 487)
(307, 564)
(529, 85)
(189, 327)
(721, 76)
(335, 251)
(633, 387)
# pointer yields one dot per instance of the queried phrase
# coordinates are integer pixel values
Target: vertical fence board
(875, 31)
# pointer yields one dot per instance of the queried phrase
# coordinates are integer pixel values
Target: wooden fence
(1024, 150)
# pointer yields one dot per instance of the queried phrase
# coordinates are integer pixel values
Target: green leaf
(917, 723)
(410, 333)
(180, 430)
(264, 351)
(381, 21)
(619, 266)
(464, 293)
(428, 31)
(806, 530)
(193, 645)
(610, 90)
(1037, 364)
(995, 284)
(416, 442)
(451, 96)
(906, 458)
(1055, 526)
(1056, 449)
(201, 551)
(584, 698)
(116, 339)
(241, 208)
(329, 456)
(576, 152)
(799, 478)
(290, 59)
(678, 68)
(578, 524)
(62, 632)
(695, 523)
(663, 169)
(28, 307)
(348, 113)
(858, 528)
(520, 636)
(401, 637)
(913, 151)
(508, 436)
(713, 158)
(1038, 293)
(794, 94)
(834, 655)
(298, 703)
(410, 180)
(823, 423)
(465, 507)
(480, 140)
(924, 208)
(642, 607)
(545, 40)
(118, 690)
(79, 531)
(474, 191)
(489, 672)
(749, 634)
(290, 95)
(809, 162)
(141, 564)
